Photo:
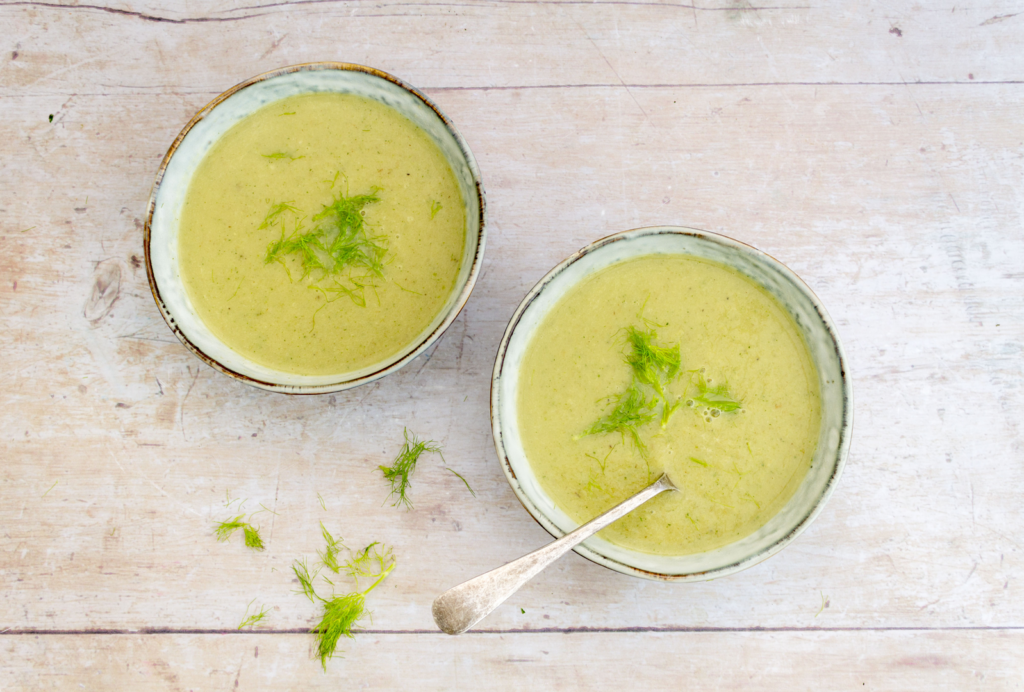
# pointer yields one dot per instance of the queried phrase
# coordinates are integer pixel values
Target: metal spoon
(462, 606)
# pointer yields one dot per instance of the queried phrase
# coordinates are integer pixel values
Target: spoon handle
(462, 606)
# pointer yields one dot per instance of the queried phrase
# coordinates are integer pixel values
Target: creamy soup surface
(273, 178)
(744, 405)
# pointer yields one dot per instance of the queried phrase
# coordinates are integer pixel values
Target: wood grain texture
(885, 167)
(783, 661)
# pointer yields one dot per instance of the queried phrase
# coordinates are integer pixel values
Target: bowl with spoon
(662, 385)
(679, 263)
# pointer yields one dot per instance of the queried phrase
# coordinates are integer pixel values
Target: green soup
(670, 364)
(321, 234)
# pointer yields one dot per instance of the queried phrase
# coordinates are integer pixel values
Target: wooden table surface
(875, 148)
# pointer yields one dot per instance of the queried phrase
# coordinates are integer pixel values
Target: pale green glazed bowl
(814, 324)
(203, 131)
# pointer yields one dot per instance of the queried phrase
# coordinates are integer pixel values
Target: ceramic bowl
(812, 321)
(203, 131)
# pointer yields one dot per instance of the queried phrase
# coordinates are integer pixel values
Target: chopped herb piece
(652, 365)
(403, 466)
(282, 155)
(265, 509)
(225, 529)
(592, 484)
(407, 290)
(340, 614)
(305, 579)
(714, 397)
(275, 211)
(603, 463)
(329, 557)
(252, 537)
(435, 207)
(459, 476)
(698, 461)
(372, 561)
(338, 242)
(254, 619)
(632, 410)
(350, 244)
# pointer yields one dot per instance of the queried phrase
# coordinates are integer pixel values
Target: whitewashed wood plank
(61, 50)
(784, 661)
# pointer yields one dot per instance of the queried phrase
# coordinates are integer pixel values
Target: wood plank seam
(536, 630)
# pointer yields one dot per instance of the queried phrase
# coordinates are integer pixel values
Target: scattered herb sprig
(225, 529)
(329, 557)
(305, 578)
(404, 464)
(250, 532)
(251, 621)
(460, 477)
(342, 613)
(252, 537)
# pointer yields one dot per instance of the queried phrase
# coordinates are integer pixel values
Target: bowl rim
(845, 430)
(342, 384)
